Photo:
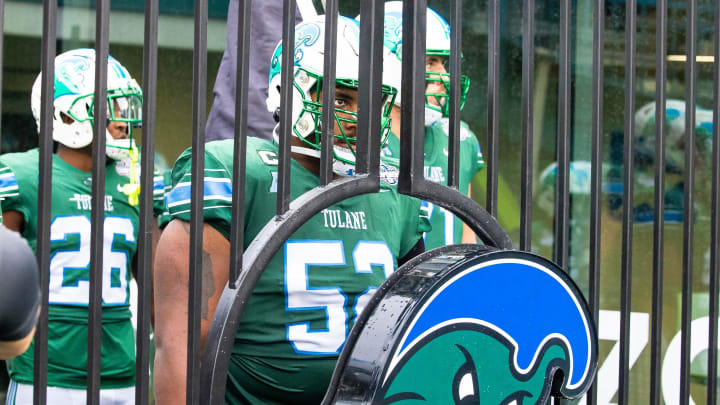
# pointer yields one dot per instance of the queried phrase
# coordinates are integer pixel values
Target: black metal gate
(206, 384)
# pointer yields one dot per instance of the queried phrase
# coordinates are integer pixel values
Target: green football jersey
(69, 263)
(446, 228)
(309, 296)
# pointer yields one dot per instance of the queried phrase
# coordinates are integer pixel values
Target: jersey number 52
(300, 296)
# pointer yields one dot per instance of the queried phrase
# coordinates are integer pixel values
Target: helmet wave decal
(306, 35)
(393, 31)
(70, 75)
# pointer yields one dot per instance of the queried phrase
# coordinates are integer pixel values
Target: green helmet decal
(305, 35)
(393, 33)
(64, 83)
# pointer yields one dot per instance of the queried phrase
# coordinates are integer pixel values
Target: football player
(70, 230)
(312, 291)
(447, 229)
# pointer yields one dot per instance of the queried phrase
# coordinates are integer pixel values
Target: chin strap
(132, 189)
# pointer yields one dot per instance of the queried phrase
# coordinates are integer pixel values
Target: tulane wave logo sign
(467, 325)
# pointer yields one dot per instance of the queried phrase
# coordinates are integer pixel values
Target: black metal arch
(271, 238)
(292, 215)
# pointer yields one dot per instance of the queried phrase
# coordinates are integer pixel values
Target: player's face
(118, 129)
(435, 64)
(346, 100)
(346, 104)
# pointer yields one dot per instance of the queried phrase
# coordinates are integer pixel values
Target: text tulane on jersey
(344, 219)
(84, 202)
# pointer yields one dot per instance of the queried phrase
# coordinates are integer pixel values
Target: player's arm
(13, 220)
(468, 235)
(155, 240)
(17, 313)
(171, 277)
(14, 348)
(134, 268)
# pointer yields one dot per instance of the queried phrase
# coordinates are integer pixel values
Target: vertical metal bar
(562, 183)
(627, 214)
(493, 106)
(454, 107)
(147, 221)
(97, 222)
(714, 225)
(286, 86)
(526, 171)
(596, 164)
(688, 216)
(45, 165)
(328, 91)
(367, 159)
(237, 227)
(659, 198)
(2, 29)
(196, 201)
(412, 138)
(562, 199)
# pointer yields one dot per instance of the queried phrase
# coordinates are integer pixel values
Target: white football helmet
(307, 83)
(674, 135)
(644, 163)
(73, 99)
(437, 42)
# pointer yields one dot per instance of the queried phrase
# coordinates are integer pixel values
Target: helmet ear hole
(66, 118)
(276, 115)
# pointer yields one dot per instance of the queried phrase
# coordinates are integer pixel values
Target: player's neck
(395, 121)
(80, 159)
(311, 164)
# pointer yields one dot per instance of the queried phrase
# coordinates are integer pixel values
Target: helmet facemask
(438, 100)
(308, 127)
(123, 105)
(437, 43)
(307, 88)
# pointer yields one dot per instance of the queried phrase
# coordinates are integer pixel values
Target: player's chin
(437, 100)
(344, 152)
(434, 102)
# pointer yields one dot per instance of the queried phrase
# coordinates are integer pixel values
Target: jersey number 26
(69, 274)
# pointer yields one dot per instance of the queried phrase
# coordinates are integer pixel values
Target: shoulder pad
(464, 130)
